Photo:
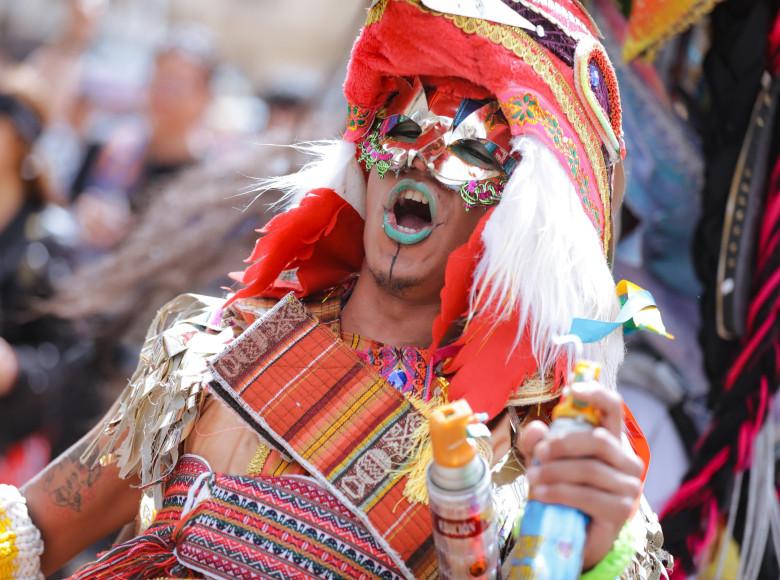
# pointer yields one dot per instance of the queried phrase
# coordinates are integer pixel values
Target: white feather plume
(332, 165)
(543, 260)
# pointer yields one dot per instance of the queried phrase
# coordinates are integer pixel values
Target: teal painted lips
(410, 198)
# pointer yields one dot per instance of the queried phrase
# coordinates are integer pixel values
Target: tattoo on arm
(68, 481)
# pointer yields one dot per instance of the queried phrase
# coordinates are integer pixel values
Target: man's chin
(397, 285)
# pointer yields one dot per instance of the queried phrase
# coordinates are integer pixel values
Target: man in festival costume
(434, 253)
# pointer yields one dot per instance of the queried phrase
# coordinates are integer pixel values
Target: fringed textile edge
(648, 45)
(421, 452)
(162, 400)
(650, 561)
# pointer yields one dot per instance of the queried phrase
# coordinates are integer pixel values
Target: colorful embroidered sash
(276, 527)
(298, 385)
(151, 555)
(245, 527)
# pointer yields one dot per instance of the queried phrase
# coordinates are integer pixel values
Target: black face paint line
(392, 264)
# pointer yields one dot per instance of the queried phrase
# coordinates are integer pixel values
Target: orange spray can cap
(450, 427)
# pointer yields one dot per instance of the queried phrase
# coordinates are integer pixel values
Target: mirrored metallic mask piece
(458, 140)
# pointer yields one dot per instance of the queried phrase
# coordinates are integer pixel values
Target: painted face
(413, 224)
(465, 144)
(443, 151)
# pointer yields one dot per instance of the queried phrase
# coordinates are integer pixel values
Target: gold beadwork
(375, 12)
(258, 460)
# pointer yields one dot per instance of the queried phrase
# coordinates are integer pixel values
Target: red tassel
(146, 556)
(774, 47)
(321, 238)
(689, 493)
(636, 438)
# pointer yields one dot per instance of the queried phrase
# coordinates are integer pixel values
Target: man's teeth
(414, 196)
(405, 230)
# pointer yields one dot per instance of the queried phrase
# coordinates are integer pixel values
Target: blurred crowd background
(131, 133)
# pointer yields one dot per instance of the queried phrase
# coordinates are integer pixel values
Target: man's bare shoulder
(158, 409)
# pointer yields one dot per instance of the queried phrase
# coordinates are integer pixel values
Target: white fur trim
(543, 259)
(333, 165)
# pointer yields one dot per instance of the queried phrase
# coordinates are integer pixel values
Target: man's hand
(104, 221)
(9, 367)
(591, 471)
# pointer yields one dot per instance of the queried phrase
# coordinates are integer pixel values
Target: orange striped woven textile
(301, 387)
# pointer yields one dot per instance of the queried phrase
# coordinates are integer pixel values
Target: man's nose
(415, 161)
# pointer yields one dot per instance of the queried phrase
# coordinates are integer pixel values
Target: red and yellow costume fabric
(653, 22)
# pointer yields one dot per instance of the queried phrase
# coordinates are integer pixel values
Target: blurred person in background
(64, 63)
(38, 354)
(61, 61)
(114, 186)
(164, 255)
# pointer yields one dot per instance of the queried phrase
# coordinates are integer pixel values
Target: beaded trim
(485, 192)
(588, 53)
(375, 12)
(372, 155)
(21, 545)
(258, 460)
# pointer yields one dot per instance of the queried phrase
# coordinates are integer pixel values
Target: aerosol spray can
(461, 500)
(551, 538)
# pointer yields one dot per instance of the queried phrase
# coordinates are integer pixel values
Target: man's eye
(405, 130)
(475, 153)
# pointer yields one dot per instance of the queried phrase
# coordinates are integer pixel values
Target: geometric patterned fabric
(244, 527)
(304, 390)
(277, 527)
(339, 525)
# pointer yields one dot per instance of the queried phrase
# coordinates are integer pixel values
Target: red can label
(459, 529)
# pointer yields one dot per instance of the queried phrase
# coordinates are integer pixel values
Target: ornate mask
(465, 144)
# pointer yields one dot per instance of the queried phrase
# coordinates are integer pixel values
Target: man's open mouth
(410, 212)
